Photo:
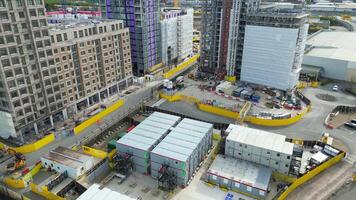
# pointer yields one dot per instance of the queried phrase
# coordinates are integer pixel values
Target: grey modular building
(261, 147)
(144, 137)
(182, 150)
(239, 175)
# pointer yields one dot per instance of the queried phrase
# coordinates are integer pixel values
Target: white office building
(261, 147)
(177, 34)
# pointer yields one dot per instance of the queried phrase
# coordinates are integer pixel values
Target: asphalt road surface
(310, 127)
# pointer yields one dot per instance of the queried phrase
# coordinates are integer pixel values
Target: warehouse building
(182, 150)
(240, 176)
(62, 160)
(144, 137)
(95, 192)
(333, 53)
(260, 147)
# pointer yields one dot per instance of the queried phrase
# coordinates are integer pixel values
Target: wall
(234, 115)
(28, 148)
(310, 175)
(60, 168)
(181, 67)
(333, 68)
(276, 122)
(95, 152)
(219, 111)
(96, 118)
(43, 191)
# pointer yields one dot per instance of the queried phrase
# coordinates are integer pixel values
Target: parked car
(350, 125)
(335, 88)
(353, 121)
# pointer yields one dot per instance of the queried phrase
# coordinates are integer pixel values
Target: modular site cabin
(166, 141)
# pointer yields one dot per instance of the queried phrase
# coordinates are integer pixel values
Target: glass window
(248, 188)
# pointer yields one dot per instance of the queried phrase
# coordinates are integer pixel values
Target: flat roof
(94, 193)
(68, 157)
(149, 132)
(319, 157)
(260, 138)
(241, 171)
(171, 147)
(334, 45)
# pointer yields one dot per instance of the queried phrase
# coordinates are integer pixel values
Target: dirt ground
(323, 184)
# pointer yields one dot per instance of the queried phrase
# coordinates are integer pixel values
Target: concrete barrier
(28, 148)
(96, 118)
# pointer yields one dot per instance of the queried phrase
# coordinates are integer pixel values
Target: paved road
(131, 101)
(310, 127)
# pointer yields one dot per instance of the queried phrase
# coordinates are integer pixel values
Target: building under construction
(273, 58)
(223, 21)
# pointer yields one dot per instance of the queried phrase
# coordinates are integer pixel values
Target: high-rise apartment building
(142, 17)
(93, 60)
(237, 24)
(210, 35)
(29, 85)
(177, 34)
(50, 73)
(274, 58)
(223, 33)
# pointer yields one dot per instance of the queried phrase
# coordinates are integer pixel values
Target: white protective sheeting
(7, 125)
(269, 55)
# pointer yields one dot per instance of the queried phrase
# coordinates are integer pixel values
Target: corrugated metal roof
(68, 157)
(148, 132)
(190, 132)
(241, 171)
(196, 123)
(161, 120)
(94, 193)
(145, 133)
(192, 127)
(173, 148)
(184, 137)
(261, 139)
(170, 154)
(184, 151)
(178, 142)
(156, 124)
(151, 128)
(164, 115)
(136, 143)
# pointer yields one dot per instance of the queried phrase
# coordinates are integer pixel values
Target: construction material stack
(181, 151)
(139, 142)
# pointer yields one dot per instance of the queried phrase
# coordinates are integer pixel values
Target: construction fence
(311, 175)
(28, 148)
(98, 117)
(184, 65)
(234, 115)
